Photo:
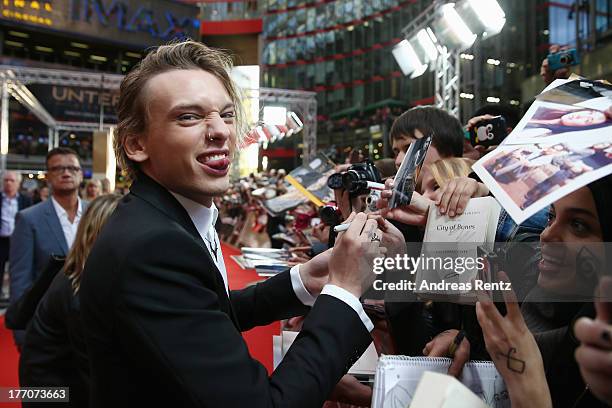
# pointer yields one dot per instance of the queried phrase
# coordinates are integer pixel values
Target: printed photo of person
(547, 122)
(529, 173)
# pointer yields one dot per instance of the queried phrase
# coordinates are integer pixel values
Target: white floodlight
(424, 46)
(484, 17)
(451, 30)
(262, 136)
(492, 99)
(295, 119)
(419, 71)
(407, 58)
(465, 95)
(273, 130)
(274, 115)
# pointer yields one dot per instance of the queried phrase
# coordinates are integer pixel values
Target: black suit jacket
(19, 314)
(162, 331)
(53, 353)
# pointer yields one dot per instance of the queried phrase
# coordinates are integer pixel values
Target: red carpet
(259, 340)
(9, 361)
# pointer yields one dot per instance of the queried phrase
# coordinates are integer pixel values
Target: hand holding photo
(405, 180)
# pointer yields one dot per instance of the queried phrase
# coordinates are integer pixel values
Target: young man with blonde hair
(162, 326)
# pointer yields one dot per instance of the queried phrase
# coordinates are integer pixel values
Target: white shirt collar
(203, 217)
(59, 210)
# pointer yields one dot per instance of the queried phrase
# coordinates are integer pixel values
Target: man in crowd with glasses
(47, 228)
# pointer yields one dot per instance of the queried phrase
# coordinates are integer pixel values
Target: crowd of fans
(564, 348)
(548, 353)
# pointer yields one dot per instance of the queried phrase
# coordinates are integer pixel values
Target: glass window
(281, 51)
(291, 50)
(301, 21)
(338, 12)
(358, 9)
(311, 17)
(320, 73)
(310, 48)
(358, 95)
(330, 39)
(320, 39)
(265, 54)
(349, 14)
(273, 59)
(330, 15)
(292, 24)
(367, 10)
(321, 17)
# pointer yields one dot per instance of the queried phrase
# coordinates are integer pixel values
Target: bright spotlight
(419, 71)
(294, 122)
(274, 115)
(407, 58)
(451, 30)
(483, 16)
(424, 46)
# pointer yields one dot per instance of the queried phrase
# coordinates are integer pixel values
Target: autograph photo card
(554, 150)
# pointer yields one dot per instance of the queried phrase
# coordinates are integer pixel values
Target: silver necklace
(213, 246)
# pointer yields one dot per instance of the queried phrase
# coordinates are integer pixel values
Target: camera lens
(335, 181)
(350, 181)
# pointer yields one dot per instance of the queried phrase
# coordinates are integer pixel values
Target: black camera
(330, 215)
(355, 179)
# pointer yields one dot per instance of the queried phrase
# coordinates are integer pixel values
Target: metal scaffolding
(447, 66)
(305, 105)
(14, 81)
(447, 82)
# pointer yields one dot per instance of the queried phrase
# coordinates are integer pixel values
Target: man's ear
(135, 148)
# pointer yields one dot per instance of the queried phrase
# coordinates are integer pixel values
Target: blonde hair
(444, 170)
(91, 224)
(132, 108)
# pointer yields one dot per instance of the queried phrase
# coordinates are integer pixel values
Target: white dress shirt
(69, 228)
(204, 219)
(10, 207)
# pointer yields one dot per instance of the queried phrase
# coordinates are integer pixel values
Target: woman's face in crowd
(571, 244)
(583, 118)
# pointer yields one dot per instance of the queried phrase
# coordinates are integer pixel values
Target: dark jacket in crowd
(54, 353)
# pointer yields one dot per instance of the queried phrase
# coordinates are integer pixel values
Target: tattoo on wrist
(513, 363)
